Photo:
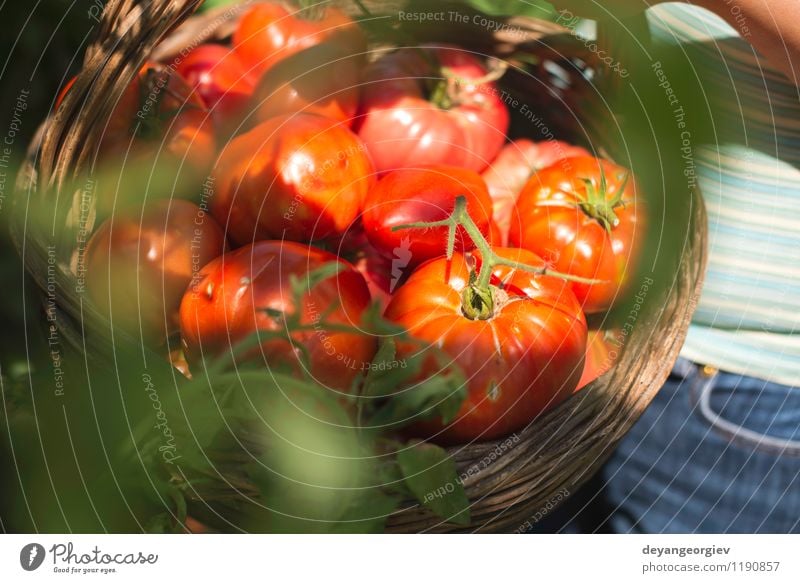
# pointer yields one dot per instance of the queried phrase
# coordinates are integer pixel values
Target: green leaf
(367, 513)
(211, 4)
(431, 475)
(301, 285)
(534, 8)
(409, 399)
(387, 374)
(441, 395)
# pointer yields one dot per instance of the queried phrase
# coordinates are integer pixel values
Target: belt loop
(708, 371)
(700, 399)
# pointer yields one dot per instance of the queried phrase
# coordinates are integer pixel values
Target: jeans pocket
(749, 413)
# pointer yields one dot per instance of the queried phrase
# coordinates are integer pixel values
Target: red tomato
(524, 359)
(377, 272)
(230, 300)
(602, 352)
(139, 266)
(423, 194)
(301, 177)
(406, 122)
(512, 168)
(495, 237)
(268, 33)
(369, 262)
(551, 151)
(221, 80)
(316, 80)
(592, 231)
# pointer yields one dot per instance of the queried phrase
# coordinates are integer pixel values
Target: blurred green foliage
(41, 49)
(88, 459)
(532, 8)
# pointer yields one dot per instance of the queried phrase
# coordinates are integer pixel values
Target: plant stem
(478, 296)
(445, 93)
(364, 10)
(595, 203)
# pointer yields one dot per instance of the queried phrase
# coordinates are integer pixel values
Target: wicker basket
(508, 481)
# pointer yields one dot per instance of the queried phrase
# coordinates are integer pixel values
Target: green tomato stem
(596, 205)
(478, 296)
(440, 95)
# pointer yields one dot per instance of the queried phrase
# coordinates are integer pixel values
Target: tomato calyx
(480, 300)
(478, 303)
(596, 205)
(451, 90)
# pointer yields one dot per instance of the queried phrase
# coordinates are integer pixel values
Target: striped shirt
(748, 317)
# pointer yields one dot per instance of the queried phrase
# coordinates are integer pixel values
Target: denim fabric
(713, 454)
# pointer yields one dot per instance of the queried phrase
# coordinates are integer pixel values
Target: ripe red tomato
(231, 298)
(139, 265)
(221, 80)
(524, 359)
(301, 177)
(589, 230)
(601, 353)
(405, 121)
(316, 80)
(269, 32)
(423, 194)
(369, 262)
(512, 168)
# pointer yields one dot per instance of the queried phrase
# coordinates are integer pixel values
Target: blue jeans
(713, 453)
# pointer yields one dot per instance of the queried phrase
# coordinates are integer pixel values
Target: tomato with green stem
(582, 216)
(432, 105)
(513, 327)
(424, 194)
(306, 323)
(512, 169)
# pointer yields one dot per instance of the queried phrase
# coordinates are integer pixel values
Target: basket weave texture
(508, 481)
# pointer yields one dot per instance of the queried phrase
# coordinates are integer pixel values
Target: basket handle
(127, 33)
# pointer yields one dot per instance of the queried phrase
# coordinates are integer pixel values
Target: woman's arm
(771, 26)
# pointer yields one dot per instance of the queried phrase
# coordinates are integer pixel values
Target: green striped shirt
(748, 318)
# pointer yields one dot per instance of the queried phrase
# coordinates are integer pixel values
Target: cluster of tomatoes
(297, 153)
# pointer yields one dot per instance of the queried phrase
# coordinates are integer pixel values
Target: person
(718, 449)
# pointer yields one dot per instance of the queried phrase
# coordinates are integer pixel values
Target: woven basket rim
(514, 485)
